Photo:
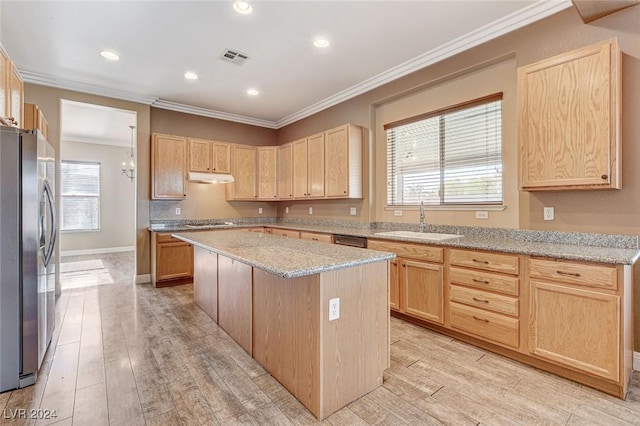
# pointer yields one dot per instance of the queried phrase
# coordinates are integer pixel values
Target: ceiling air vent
(234, 56)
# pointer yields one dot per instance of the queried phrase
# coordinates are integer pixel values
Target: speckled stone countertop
(286, 257)
(603, 248)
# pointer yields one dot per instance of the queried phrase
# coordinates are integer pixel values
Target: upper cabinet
(267, 173)
(285, 171)
(34, 119)
(209, 156)
(243, 168)
(11, 92)
(5, 64)
(343, 159)
(308, 167)
(569, 120)
(168, 167)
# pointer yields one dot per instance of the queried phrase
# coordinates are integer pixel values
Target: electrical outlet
(397, 212)
(352, 211)
(178, 211)
(482, 214)
(334, 309)
(548, 213)
(286, 210)
(259, 210)
(310, 210)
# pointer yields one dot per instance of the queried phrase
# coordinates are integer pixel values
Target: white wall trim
(143, 279)
(96, 251)
(636, 361)
(537, 11)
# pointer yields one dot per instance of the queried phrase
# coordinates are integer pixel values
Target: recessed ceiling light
(190, 75)
(111, 56)
(321, 42)
(242, 7)
(252, 92)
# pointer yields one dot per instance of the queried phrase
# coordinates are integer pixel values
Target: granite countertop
(602, 248)
(285, 257)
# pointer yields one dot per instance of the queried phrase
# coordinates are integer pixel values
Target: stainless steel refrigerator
(27, 257)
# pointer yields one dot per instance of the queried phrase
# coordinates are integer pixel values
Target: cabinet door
(315, 166)
(300, 177)
(285, 171)
(576, 328)
(569, 119)
(16, 100)
(200, 155)
(205, 281)
(235, 288)
(221, 157)
(267, 173)
(174, 260)
(337, 162)
(423, 287)
(169, 167)
(4, 89)
(244, 173)
(394, 286)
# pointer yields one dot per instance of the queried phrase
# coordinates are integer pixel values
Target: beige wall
(48, 99)
(117, 198)
(208, 201)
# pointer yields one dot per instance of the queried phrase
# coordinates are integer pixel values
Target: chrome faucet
(423, 225)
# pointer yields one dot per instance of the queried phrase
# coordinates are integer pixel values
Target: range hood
(210, 177)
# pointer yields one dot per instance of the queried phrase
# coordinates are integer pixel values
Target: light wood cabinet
(300, 160)
(289, 233)
(235, 312)
(267, 173)
(168, 167)
(205, 281)
(308, 167)
(423, 287)
(5, 65)
(285, 171)
(244, 170)
(395, 295)
(34, 119)
(172, 260)
(207, 156)
(15, 111)
(343, 159)
(315, 236)
(569, 120)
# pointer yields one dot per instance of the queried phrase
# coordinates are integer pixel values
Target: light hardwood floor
(128, 354)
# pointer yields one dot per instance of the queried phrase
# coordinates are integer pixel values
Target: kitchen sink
(432, 236)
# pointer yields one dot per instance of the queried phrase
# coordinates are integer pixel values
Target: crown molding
(175, 106)
(539, 10)
(60, 83)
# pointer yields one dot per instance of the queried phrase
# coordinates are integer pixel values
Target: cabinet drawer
(412, 251)
(505, 263)
(285, 233)
(167, 238)
(494, 327)
(485, 300)
(583, 274)
(485, 281)
(325, 238)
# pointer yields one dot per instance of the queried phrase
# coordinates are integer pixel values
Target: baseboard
(143, 279)
(636, 361)
(96, 251)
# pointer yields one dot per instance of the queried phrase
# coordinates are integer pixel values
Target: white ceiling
(87, 123)
(372, 42)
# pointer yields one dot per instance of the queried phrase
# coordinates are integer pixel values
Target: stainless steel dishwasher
(349, 240)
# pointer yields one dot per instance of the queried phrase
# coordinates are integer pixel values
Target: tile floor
(127, 354)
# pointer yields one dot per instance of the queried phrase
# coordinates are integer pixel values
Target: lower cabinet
(172, 261)
(205, 281)
(315, 236)
(235, 313)
(285, 232)
(422, 286)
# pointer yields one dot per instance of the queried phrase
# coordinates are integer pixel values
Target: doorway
(98, 195)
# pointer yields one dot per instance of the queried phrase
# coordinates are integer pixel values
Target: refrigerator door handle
(54, 225)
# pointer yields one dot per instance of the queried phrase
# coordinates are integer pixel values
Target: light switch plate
(334, 309)
(352, 211)
(548, 213)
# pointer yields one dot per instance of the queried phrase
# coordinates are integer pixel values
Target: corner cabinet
(244, 170)
(569, 120)
(267, 173)
(168, 167)
(171, 260)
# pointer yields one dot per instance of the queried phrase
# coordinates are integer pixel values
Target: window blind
(449, 157)
(80, 196)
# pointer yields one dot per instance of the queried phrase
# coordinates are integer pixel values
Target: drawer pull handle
(480, 281)
(480, 319)
(571, 274)
(480, 300)
(394, 263)
(484, 262)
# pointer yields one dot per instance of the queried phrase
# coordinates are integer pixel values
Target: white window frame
(394, 196)
(72, 196)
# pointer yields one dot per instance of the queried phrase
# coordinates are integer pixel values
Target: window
(80, 183)
(447, 157)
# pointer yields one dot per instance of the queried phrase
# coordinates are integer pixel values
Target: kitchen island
(277, 298)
